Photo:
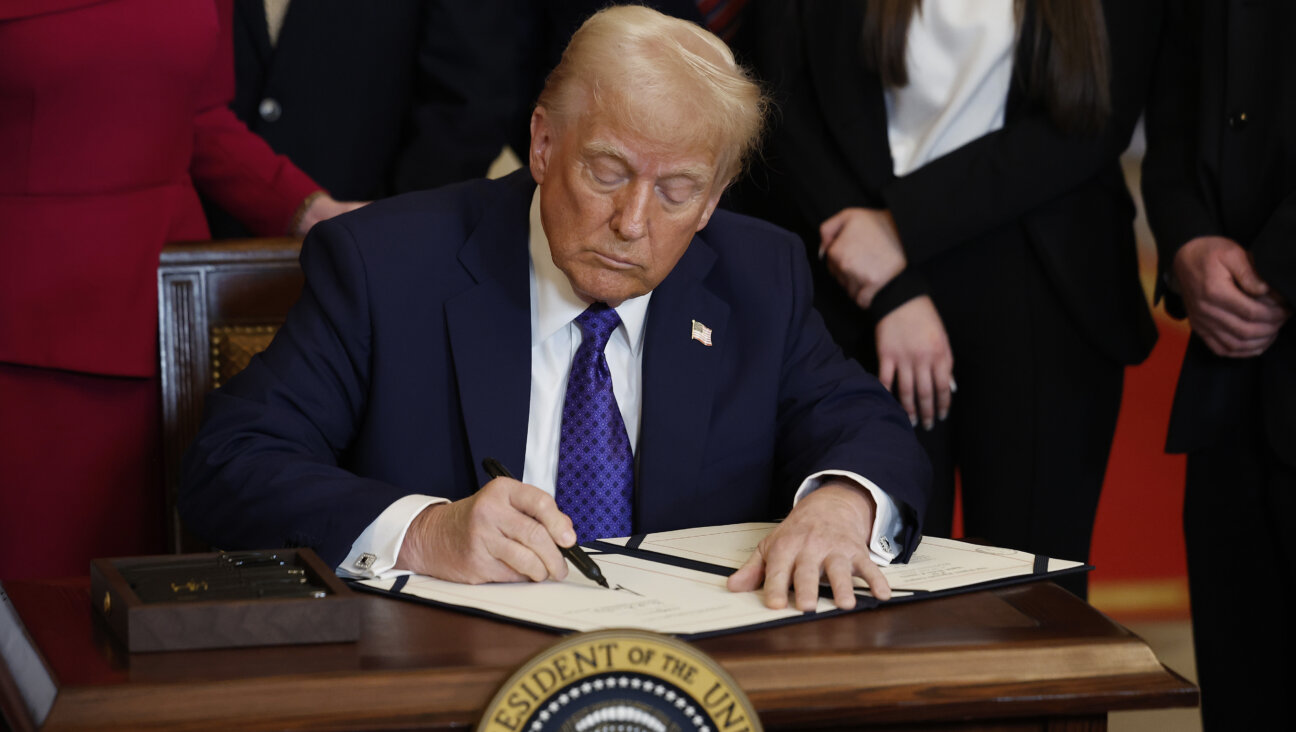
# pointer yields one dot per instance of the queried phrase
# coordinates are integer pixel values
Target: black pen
(574, 553)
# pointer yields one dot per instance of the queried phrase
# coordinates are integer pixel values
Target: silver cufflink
(366, 560)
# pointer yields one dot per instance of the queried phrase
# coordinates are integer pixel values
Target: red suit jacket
(111, 112)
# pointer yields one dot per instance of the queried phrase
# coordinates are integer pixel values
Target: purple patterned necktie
(595, 465)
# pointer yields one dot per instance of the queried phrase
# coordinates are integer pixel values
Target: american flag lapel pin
(701, 333)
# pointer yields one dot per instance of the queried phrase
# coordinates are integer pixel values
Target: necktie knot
(597, 323)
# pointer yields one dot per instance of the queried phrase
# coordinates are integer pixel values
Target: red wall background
(1138, 547)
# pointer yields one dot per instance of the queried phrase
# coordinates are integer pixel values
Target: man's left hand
(827, 534)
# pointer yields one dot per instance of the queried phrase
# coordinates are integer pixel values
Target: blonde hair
(629, 61)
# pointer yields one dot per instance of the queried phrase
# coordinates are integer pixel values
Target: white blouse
(959, 56)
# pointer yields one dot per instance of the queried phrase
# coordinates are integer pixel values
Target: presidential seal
(620, 681)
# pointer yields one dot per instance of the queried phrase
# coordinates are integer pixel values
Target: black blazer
(377, 98)
(1221, 160)
(828, 150)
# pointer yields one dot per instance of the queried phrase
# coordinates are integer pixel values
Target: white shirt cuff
(373, 555)
(884, 542)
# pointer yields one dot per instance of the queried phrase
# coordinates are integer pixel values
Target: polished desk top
(1032, 650)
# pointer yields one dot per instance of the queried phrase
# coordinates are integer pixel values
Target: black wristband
(901, 289)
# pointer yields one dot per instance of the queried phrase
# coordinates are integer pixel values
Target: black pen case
(223, 600)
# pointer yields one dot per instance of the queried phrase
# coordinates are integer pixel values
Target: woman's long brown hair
(1069, 69)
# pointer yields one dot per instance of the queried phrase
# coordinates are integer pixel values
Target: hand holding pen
(507, 531)
(573, 553)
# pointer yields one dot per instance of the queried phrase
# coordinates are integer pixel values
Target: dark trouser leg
(1035, 413)
(939, 520)
(1239, 519)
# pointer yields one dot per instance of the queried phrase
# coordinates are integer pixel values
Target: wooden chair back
(219, 303)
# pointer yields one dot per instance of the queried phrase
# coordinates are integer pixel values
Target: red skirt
(80, 470)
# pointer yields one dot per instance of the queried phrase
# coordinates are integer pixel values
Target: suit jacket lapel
(679, 381)
(851, 94)
(490, 338)
(252, 14)
(490, 330)
(1017, 99)
(857, 117)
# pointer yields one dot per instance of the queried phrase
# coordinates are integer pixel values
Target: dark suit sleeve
(803, 179)
(1177, 209)
(1275, 249)
(800, 161)
(230, 163)
(834, 416)
(1183, 117)
(472, 90)
(1000, 177)
(263, 471)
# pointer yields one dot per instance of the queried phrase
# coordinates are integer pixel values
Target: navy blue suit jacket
(407, 360)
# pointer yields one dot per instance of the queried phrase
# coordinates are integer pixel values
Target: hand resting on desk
(510, 532)
(827, 533)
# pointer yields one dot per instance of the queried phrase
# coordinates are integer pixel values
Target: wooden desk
(1025, 658)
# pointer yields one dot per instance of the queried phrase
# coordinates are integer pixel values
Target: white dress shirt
(554, 340)
(960, 58)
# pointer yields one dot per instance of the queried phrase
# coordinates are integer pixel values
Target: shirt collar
(556, 303)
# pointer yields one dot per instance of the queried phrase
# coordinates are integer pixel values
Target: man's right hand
(506, 532)
(1228, 304)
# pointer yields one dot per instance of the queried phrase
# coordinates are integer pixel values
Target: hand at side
(915, 361)
(321, 208)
